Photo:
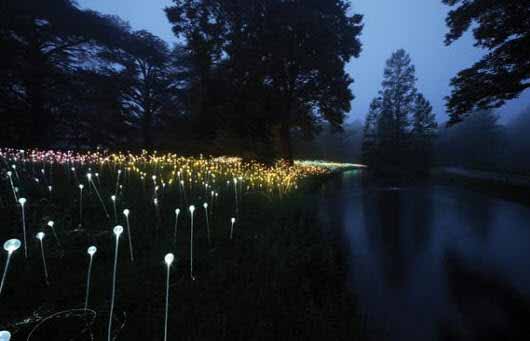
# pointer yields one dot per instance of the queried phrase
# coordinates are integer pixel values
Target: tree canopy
(503, 28)
(281, 62)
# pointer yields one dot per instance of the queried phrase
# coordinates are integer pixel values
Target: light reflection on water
(433, 262)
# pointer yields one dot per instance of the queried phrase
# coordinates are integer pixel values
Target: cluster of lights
(188, 175)
(172, 169)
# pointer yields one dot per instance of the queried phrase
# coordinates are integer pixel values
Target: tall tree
(397, 103)
(503, 28)
(400, 125)
(288, 56)
(200, 24)
(141, 65)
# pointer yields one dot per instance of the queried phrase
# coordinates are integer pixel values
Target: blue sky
(418, 26)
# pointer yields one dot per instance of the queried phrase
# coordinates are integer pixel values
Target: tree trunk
(40, 118)
(286, 149)
(146, 130)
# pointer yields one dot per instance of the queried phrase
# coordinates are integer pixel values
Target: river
(432, 262)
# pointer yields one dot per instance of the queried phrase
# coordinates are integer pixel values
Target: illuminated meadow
(97, 232)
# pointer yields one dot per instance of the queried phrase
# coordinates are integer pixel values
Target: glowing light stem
(117, 183)
(235, 194)
(117, 231)
(81, 205)
(169, 259)
(24, 230)
(89, 275)
(44, 262)
(192, 209)
(5, 272)
(177, 213)
(13, 187)
(99, 197)
(114, 209)
(129, 237)
(52, 226)
(207, 224)
(233, 220)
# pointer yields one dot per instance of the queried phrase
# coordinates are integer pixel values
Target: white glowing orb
(205, 205)
(169, 258)
(5, 335)
(192, 208)
(9, 173)
(233, 220)
(126, 212)
(118, 229)
(12, 245)
(40, 236)
(92, 250)
(89, 176)
(177, 211)
(81, 186)
(51, 223)
(113, 197)
(22, 201)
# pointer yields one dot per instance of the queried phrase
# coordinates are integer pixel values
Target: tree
(141, 66)
(423, 131)
(502, 27)
(284, 58)
(46, 43)
(397, 104)
(200, 24)
(369, 143)
(400, 125)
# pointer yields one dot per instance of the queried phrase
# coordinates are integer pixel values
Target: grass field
(278, 277)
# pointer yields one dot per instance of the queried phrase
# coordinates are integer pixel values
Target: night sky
(418, 26)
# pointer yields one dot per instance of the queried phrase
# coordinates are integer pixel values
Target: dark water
(433, 262)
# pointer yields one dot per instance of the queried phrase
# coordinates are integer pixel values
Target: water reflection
(433, 262)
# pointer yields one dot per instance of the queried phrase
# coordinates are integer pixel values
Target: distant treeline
(479, 142)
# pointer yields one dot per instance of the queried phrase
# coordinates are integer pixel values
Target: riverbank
(507, 186)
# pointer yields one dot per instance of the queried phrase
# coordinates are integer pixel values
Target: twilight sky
(418, 26)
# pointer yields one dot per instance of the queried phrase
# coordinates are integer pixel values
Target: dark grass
(281, 277)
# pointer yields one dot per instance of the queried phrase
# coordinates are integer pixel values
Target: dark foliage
(400, 126)
(503, 28)
(262, 69)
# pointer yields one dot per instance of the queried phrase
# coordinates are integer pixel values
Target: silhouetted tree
(141, 65)
(503, 28)
(201, 25)
(285, 59)
(399, 127)
(44, 42)
(369, 144)
(423, 132)
(397, 104)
